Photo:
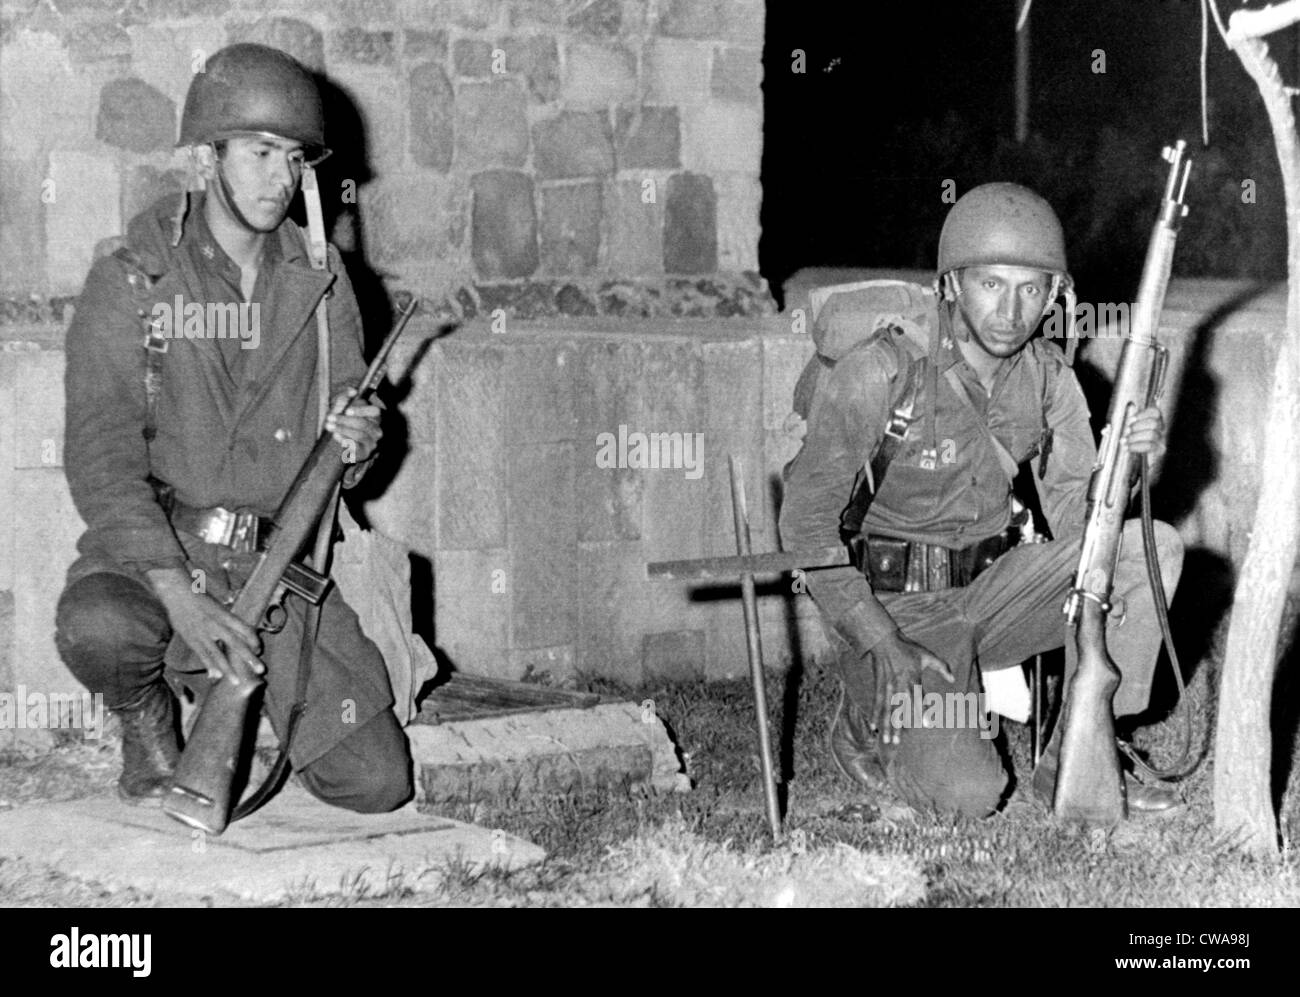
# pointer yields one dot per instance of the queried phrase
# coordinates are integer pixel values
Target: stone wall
(533, 155)
(537, 551)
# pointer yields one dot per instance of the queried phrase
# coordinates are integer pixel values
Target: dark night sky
(897, 97)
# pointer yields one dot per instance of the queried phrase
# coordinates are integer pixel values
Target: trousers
(112, 633)
(1011, 612)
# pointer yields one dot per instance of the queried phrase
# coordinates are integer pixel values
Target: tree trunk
(1243, 803)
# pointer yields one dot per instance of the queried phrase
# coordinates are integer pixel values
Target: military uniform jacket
(953, 497)
(234, 424)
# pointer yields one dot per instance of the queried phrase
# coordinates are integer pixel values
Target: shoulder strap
(155, 343)
(901, 418)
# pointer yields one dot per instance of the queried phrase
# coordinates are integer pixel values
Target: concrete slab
(607, 746)
(294, 846)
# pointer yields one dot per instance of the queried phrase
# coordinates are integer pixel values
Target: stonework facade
(507, 149)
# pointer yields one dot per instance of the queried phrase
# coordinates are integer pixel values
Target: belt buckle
(217, 527)
(243, 534)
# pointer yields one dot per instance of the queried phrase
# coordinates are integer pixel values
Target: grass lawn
(711, 846)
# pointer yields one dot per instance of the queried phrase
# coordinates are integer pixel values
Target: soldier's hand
(1146, 433)
(357, 429)
(900, 664)
(223, 643)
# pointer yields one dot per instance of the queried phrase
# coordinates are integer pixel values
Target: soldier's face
(262, 174)
(1000, 306)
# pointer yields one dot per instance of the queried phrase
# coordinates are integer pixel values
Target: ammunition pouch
(892, 565)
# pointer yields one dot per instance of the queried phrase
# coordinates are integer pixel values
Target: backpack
(849, 317)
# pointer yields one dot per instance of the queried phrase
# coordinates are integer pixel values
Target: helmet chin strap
(229, 197)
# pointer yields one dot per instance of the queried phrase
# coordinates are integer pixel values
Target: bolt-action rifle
(200, 795)
(1090, 783)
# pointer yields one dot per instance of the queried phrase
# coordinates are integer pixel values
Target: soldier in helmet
(913, 440)
(183, 435)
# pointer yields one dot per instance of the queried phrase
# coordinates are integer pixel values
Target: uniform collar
(207, 253)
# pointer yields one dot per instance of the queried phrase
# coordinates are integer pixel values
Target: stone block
(722, 138)
(45, 528)
(300, 39)
(35, 65)
(602, 18)
(636, 226)
(570, 228)
(690, 225)
(470, 444)
(413, 215)
(383, 129)
(407, 511)
(545, 14)
(472, 57)
(672, 509)
(22, 227)
(358, 45)
(573, 300)
(784, 358)
(743, 21)
(133, 115)
(648, 138)
(418, 44)
(6, 639)
(607, 386)
(9, 385)
(38, 410)
(739, 198)
(475, 14)
(612, 593)
(573, 144)
(98, 41)
(598, 75)
(85, 208)
(726, 648)
(433, 117)
(738, 75)
(541, 405)
(491, 125)
(352, 12)
(678, 72)
(538, 58)
(472, 592)
(167, 56)
(543, 541)
(160, 9)
(779, 448)
(551, 665)
(675, 656)
(733, 424)
(607, 747)
(504, 224)
(692, 19)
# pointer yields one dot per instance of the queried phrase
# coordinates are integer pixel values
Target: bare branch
(1257, 23)
(1024, 15)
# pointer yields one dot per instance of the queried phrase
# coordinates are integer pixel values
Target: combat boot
(855, 748)
(1141, 798)
(149, 748)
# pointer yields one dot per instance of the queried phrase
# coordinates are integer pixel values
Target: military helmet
(1002, 223)
(248, 88)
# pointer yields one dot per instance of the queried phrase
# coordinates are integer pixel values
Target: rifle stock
(200, 795)
(1089, 782)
